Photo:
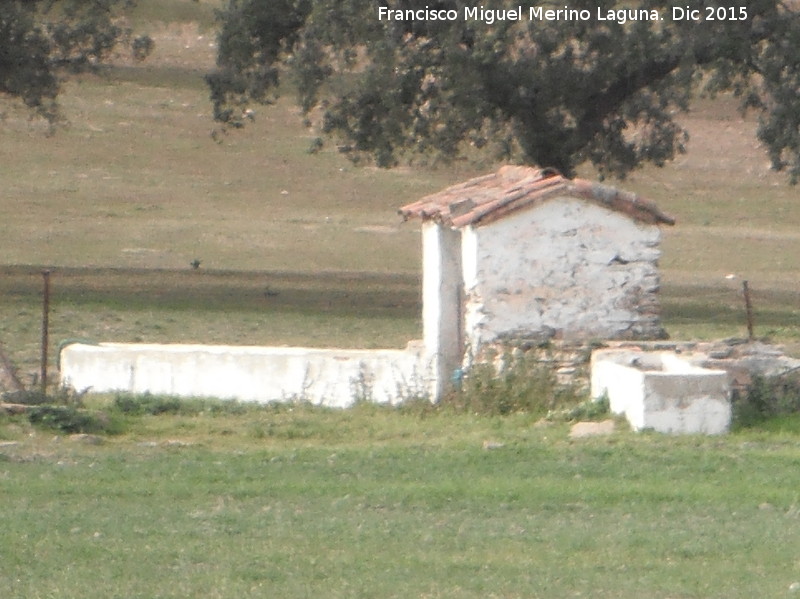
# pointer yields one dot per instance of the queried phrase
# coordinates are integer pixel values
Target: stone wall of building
(568, 270)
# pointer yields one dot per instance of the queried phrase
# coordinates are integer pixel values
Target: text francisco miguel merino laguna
(537, 13)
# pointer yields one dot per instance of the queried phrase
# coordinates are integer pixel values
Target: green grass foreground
(295, 502)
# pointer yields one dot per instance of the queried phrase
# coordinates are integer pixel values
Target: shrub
(72, 420)
(140, 405)
(61, 411)
(513, 383)
(767, 397)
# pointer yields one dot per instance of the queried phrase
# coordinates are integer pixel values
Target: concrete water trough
(330, 377)
(662, 391)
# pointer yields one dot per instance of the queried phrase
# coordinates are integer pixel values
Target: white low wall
(331, 377)
(662, 392)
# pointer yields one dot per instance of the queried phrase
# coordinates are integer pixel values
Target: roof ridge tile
(512, 188)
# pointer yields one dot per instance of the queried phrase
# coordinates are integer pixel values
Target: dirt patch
(376, 229)
(181, 45)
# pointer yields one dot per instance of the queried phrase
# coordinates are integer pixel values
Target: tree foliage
(43, 40)
(555, 93)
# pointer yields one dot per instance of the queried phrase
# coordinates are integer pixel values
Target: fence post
(45, 329)
(748, 307)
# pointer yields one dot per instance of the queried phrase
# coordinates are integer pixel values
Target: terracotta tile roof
(512, 188)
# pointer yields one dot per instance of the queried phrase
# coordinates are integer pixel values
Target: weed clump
(591, 409)
(70, 420)
(147, 404)
(513, 383)
(141, 405)
(62, 411)
(765, 398)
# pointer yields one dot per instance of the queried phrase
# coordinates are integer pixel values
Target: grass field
(371, 502)
(307, 249)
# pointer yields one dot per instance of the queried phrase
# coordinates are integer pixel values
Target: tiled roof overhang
(491, 197)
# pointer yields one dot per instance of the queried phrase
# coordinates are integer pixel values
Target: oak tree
(596, 85)
(41, 41)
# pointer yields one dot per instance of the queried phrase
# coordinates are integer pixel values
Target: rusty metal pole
(45, 329)
(748, 307)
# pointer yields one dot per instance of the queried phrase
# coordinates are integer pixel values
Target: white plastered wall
(568, 268)
(331, 377)
(442, 301)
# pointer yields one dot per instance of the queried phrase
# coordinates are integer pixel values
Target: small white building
(525, 255)
(518, 257)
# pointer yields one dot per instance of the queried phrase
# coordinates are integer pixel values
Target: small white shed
(516, 257)
(525, 255)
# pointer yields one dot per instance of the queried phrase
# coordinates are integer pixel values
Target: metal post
(748, 306)
(45, 329)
